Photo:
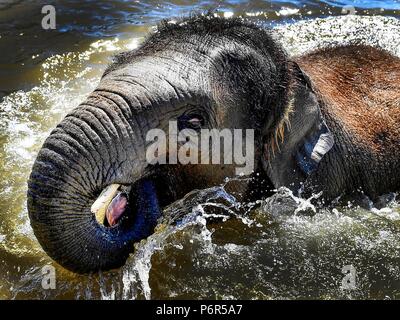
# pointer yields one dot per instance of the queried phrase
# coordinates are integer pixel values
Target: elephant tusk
(99, 207)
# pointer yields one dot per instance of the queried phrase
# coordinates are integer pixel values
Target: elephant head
(202, 72)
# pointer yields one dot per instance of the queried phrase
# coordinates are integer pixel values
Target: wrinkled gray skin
(230, 73)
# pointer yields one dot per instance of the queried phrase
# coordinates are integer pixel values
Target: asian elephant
(326, 121)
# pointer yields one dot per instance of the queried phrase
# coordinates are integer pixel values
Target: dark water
(282, 248)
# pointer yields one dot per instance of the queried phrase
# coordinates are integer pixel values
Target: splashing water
(208, 244)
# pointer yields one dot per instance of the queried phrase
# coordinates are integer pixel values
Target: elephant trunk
(99, 143)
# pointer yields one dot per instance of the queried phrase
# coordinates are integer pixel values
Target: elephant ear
(319, 140)
(314, 148)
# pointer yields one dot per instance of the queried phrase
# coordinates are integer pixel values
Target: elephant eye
(190, 121)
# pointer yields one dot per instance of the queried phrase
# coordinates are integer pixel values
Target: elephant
(327, 121)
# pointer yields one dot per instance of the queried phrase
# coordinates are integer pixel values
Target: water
(209, 244)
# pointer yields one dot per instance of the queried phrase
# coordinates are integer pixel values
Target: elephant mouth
(116, 210)
(133, 209)
(114, 205)
(111, 205)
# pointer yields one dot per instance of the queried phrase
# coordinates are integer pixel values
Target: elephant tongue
(147, 210)
(116, 208)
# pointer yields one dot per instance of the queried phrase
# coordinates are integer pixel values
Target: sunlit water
(207, 245)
